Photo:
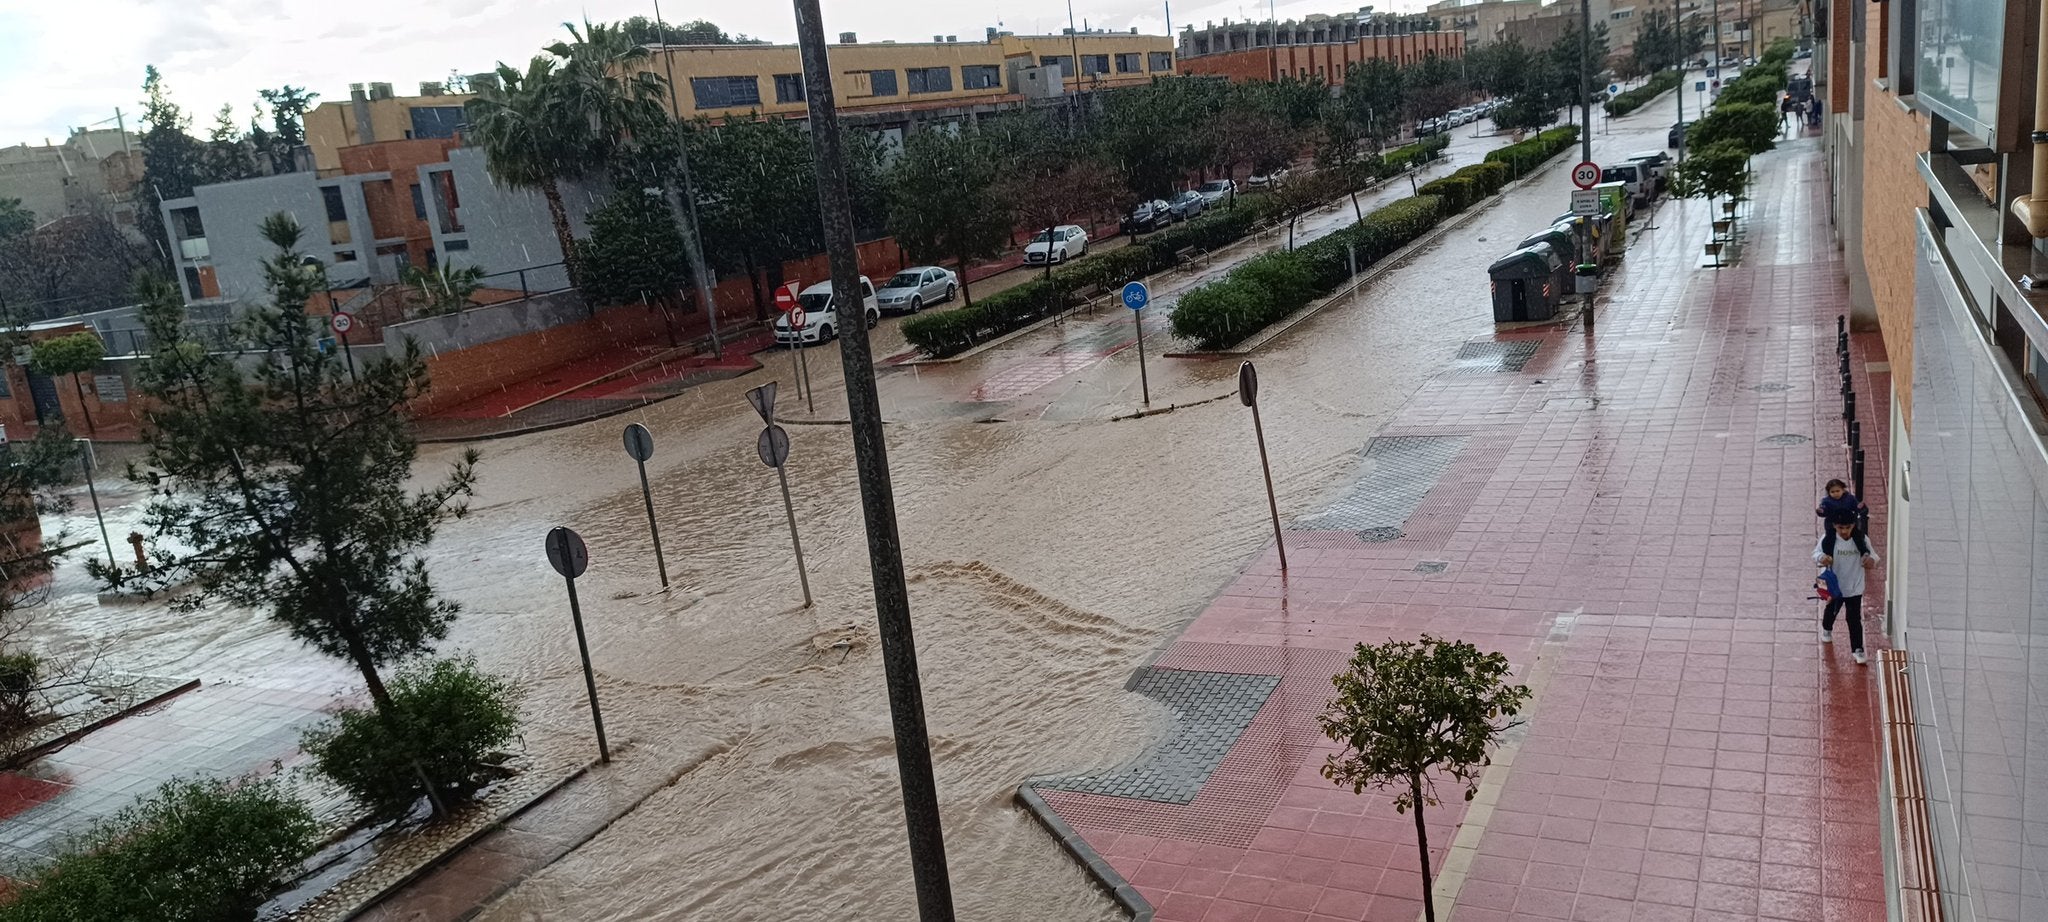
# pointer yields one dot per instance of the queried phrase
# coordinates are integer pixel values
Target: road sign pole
(1144, 381)
(810, 392)
(1248, 394)
(789, 508)
(604, 749)
(92, 466)
(647, 494)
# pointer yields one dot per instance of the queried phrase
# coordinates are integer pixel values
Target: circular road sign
(1248, 384)
(1586, 175)
(1136, 296)
(639, 442)
(773, 446)
(566, 553)
(342, 323)
(798, 319)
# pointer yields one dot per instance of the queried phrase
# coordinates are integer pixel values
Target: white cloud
(66, 63)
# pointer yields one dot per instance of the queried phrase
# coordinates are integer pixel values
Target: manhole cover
(1787, 438)
(1771, 387)
(1492, 356)
(1432, 566)
(1380, 535)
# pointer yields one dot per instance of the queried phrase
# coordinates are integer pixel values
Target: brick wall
(1892, 190)
(462, 375)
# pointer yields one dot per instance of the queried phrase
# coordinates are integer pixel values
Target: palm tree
(567, 116)
(518, 124)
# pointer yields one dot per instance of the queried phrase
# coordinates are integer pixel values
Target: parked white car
(821, 316)
(1067, 241)
(1262, 180)
(910, 290)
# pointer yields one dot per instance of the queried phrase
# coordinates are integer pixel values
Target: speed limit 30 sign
(1586, 175)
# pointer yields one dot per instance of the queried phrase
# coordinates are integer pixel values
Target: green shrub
(1269, 287)
(1752, 126)
(1630, 101)
(20, 683)
(192, 851)
(1526, 155)
(448, 721)
(1459, 191)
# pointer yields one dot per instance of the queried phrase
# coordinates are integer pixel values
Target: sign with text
(1586, 201)
(111, 388)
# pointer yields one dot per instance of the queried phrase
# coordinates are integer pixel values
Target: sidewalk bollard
(1856, 470)
(1855, 436)
(1849, 407)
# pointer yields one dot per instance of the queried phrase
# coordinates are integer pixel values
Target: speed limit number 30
(1586, 175)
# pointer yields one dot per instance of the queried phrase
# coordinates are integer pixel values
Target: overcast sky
(69, 63)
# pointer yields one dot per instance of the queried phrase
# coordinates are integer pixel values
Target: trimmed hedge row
(1639, 97)
(1271, 286)
(1523, 156)
(946, 332)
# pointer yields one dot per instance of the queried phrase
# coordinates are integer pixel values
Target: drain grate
(1405, 468)
(1771, 387)
(1432, 566)
(1492, 356)
(1211, 710)
(1786, 438)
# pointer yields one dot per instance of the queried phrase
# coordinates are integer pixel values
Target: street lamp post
(686, 217)
(1586, 80)
(877, 494)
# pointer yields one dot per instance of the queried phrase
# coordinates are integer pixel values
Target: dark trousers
(1854, 605)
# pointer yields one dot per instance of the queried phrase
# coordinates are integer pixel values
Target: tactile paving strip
(1492, 356)
(1405, 468)
(1211, 710)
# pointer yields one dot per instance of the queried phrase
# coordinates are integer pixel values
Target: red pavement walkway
(1632, 532)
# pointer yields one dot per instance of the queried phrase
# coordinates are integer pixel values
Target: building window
(1129, 63)
(419, 202)
(193, 289)
(980, 76)
(455, 246)
(881, 83)
(335, 210)
(725, 92)
(789, 87)
(1095, 64)
(436, 121)
(186, 220)
(1161, 60)
(929, 79)
(1064, 63)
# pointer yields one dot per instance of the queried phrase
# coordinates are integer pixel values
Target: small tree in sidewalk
(1720, 171)
(282, 485)
(1408, 712)
(945, 203)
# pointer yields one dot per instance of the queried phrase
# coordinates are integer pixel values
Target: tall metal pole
(789, 508)
(1586, 80)
(92, 467)
(604, 749)
(877, 494)
(692, 247)
(1678, 46)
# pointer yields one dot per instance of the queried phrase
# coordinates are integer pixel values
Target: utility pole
(1717, 39)
(877, 494)
(1678, 47)
(693, 248)
(1586, 80)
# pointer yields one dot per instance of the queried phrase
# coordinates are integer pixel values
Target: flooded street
(1050, 551)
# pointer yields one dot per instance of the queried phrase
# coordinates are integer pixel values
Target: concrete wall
(470, 356)
(480, 325)
(232, 213)
(503, 229)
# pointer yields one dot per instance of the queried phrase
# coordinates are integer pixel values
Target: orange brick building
(1325, 60)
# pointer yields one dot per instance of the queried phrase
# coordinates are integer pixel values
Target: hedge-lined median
(1273, 285)
(947, 332)
(1625, 103)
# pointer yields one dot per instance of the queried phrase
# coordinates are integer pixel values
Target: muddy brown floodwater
(1047, 558)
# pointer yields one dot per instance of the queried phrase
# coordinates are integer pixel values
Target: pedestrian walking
(1786, 125)
(1813, 113)
(1843, 555)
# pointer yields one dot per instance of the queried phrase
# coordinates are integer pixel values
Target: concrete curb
(369, 901)
(75, 734)
(1119, 889)
(1391, 261)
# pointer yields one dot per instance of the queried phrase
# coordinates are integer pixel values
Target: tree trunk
(754, 280)
(558, 215)
(79, 383)
(380, 697)
(1422, 847)
(966, 299)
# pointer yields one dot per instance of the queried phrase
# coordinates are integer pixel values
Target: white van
(1636, 175)
(821, 316)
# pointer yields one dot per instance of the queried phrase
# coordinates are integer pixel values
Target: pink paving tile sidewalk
(1693, 752)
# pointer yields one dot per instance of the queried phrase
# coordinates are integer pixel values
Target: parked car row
(1159, 212)
(1644, 174)
(1456, 117)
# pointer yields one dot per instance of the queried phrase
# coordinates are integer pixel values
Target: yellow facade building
(373, 113)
